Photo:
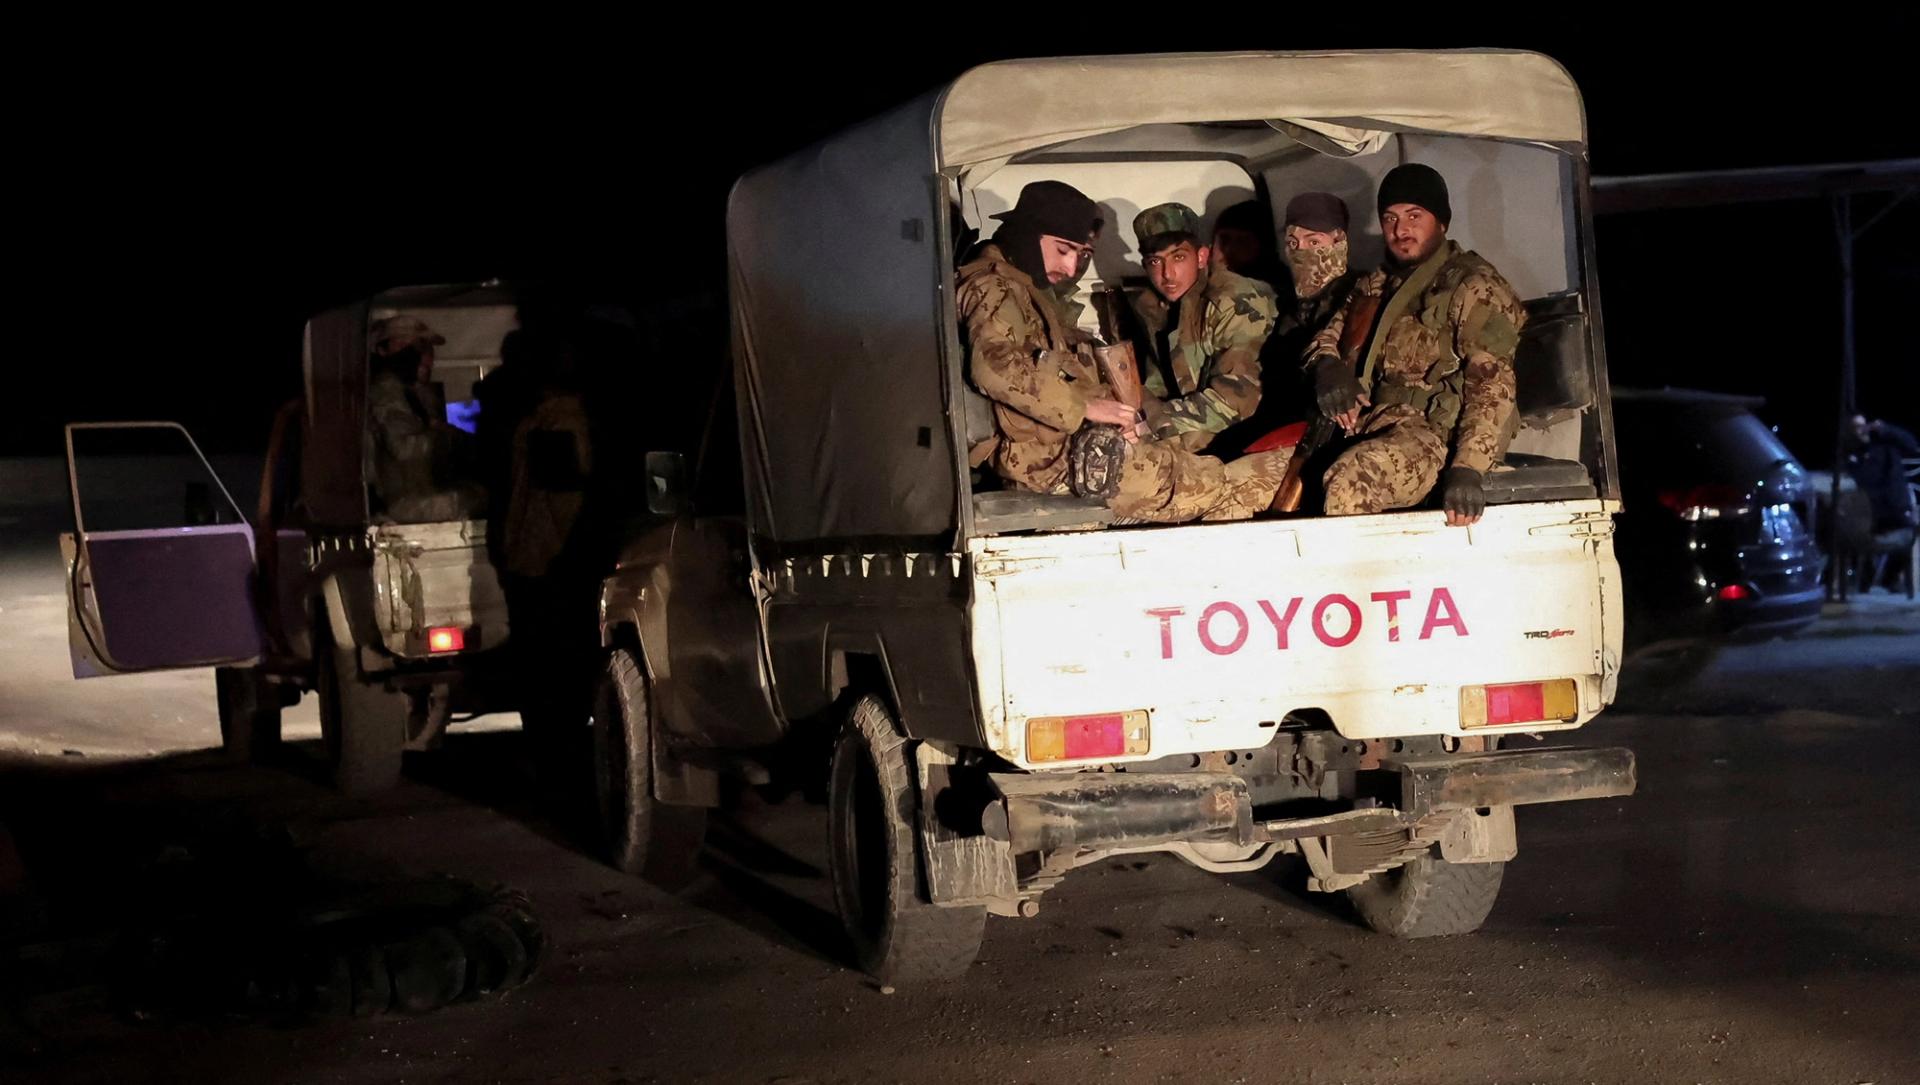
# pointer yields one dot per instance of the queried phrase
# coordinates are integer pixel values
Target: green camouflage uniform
(1033, 366)
(1441, 376)
(413, 459)
(1212, 342)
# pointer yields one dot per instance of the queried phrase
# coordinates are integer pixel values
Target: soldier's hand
(1463, 494)
(1337, 392)
(1112, 412)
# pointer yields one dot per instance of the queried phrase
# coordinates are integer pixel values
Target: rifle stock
(1118, 363)
(1292, 484)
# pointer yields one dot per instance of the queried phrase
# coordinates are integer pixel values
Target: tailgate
(1210, 634)
(437, 576)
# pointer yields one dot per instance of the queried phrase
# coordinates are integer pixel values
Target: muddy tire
(249, 715)
(1428, 897)
(363, 727)
(897, 936)
(641, 835)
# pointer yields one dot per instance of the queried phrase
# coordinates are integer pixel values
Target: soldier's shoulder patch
(1253, 307)
(1492, 332)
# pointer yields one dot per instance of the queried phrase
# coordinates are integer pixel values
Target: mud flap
(963, 863)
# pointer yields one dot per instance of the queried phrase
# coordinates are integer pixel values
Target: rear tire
(363, 726)
(1428, 897)
(873, 807)
(249, 715)
(643, 836)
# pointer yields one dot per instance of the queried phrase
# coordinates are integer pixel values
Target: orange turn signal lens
(1078, 738)
(1519, 702)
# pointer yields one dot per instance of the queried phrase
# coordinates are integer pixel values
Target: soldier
(1317, 257)
(1321, 281)
(1025, 354)
(1045, 385)
(1243, 242)
(1437, 370)
(415, 453)
(1204, 329)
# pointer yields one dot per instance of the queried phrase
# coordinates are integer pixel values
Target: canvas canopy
(998, 110)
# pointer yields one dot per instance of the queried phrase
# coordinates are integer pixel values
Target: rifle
(1114, 351)
(1321, 432)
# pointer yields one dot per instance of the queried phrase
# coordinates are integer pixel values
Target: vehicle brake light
(1733, 591)
(1519, 702)
(1706, 502)
(446, 639)
(1076, 738)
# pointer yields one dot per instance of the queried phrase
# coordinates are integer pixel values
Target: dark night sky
(205, 208)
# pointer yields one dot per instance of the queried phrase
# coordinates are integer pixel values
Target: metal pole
(1843, 231)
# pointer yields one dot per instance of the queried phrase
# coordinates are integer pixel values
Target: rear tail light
(446, 638)
(1519, 702)
(1732, 592)
(1706, 502)
(1078, 738)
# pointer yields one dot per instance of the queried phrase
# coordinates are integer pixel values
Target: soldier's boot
(1095, 456)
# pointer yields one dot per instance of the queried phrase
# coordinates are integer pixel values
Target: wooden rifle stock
(1118, 362)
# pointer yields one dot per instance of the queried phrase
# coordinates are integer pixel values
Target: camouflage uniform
(412, 459)
(412, 454)
(1029, 362)
(1210, 345)
(1441, 374)
(1025, 358)
(1162, 484)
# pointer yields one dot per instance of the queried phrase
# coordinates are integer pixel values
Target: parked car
(1713, 542)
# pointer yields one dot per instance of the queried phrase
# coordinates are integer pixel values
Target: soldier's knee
(1347, 490)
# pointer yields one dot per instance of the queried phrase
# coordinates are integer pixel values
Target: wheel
(642, 835)
(249, 714)
(1428, 897)
(364, 727)
(896, 934)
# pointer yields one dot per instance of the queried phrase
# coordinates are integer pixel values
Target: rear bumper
(1773, 614)
(1042, 813)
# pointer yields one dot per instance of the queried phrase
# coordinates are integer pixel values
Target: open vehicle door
(160, 565)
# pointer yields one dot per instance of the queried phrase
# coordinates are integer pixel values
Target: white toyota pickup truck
(1013, 685)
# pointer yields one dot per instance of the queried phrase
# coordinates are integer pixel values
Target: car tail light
(446, 638)
(1733, 591)
(1705, 502)
(1519, 702)
(1078, 738)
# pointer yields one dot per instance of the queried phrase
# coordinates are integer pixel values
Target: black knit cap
(1321, 212)
(1416, 184)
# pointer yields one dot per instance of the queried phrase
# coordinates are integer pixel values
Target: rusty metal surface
(1512, 777)
(1050, 813)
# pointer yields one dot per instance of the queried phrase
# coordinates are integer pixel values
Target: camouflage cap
(389, 334)
(1153, 227)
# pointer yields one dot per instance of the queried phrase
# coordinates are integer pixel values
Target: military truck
(1020, 687)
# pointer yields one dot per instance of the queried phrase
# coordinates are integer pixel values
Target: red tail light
(1734, 591)
(1705, 502)
(1075, 738)
(1519, 702)
(446, 639)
